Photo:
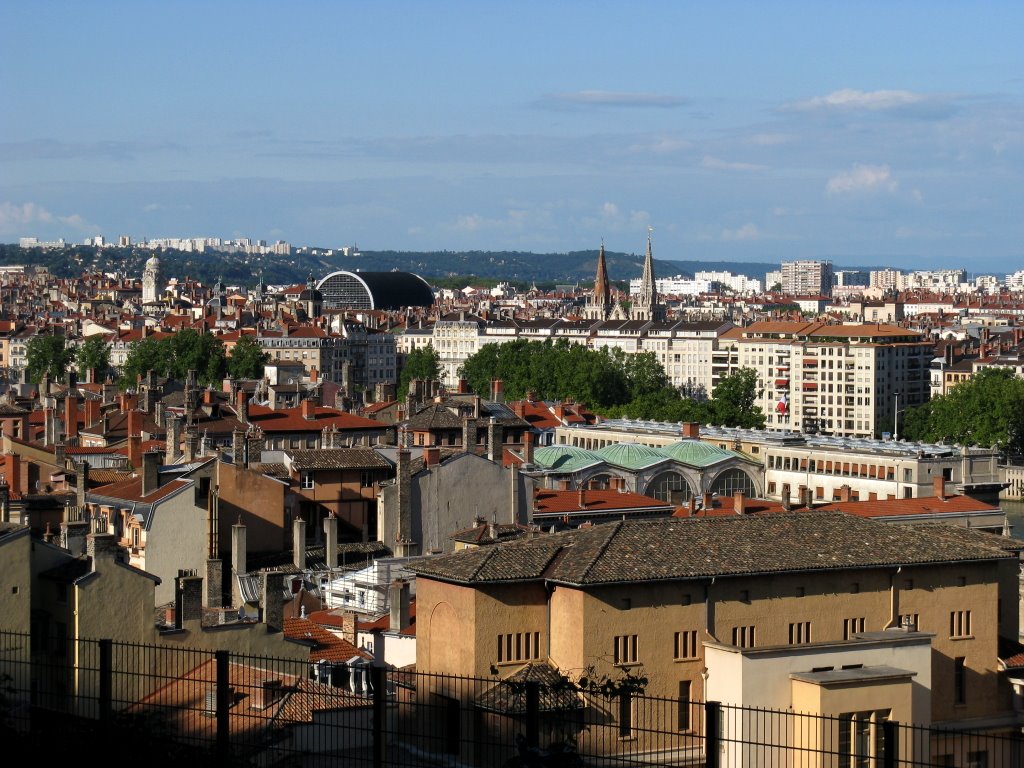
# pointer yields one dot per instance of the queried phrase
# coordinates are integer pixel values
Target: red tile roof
(291, 419)
(328, 646)
(131, 490)
(549, 502)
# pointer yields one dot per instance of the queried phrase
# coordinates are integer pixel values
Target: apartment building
(914, 610)
(807, 278)
(843, 380)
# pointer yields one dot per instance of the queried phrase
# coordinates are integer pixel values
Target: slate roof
(337, 458)
(693, 548)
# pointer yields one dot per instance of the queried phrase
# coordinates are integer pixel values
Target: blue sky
(869, 133)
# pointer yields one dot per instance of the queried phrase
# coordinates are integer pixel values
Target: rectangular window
(911, 620)
(800, 633)
(307, 480)
(852, 627)
(960, 680)
(743, 637)
(625, 714)
(686, 645)
(960, 624)
(625, 651)
(684, 705)
(518, 646)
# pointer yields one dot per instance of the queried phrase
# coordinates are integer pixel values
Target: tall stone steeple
(645, 306)
(151, 280)
(599, 303)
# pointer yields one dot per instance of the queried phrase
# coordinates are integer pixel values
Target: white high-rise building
(807, 278)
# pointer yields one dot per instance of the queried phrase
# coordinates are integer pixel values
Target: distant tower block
(151, 280)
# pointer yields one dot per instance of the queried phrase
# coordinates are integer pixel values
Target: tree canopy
(48, 355)
(986, 409)
(247, 359)
(610, 381)
(94, 354)
(422, 363)
(174, 356)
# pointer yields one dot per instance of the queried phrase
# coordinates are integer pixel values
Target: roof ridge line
(601, 550)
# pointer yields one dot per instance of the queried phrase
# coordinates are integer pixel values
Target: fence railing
(171, 705)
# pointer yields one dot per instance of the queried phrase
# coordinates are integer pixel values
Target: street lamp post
(896, 418)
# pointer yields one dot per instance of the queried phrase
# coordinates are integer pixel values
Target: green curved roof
(697, 453)
(632, 455)
(566, 458)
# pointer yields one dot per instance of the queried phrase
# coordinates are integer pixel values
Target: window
(800, 633)
(909, 619)
(851, 627)
(861, 739)
(686, 645)
(366, 479)
(743, 637)
(625, 650)
(306, 480)
(959, 680)
(518, 646)
(625, 714)
(684, 706)
(960, 624)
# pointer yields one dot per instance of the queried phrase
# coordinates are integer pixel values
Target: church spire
(602, 288)
(646, 306)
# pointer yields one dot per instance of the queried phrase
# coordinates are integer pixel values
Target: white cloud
(15, 219)
(610, 210)
(726, 165)
(883, 101)
(746, 232)
(639, 218)
(862, 178)
(664, 145)
(588, 99)
(769, 139)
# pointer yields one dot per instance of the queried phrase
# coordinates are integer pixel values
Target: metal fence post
(378, 681)
(106, 648)
(712, 734)
(223, 704)
(889, 743)
(532, 713)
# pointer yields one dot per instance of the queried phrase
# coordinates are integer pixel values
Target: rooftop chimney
(431, 456)
(308, 409)
(468, 434)
(70, 415)
(134, 423)
(398, 599)
(494, 440)
(786, 502)
(497, 390)
(101, 547)
(939, 487)
(150, 472)
(12, 471)
(690, 430)
(173, 439)
(273, 600)
(844, 492)
(738, 499)
(299, 543)
(708, 500)
(242, 405)
(331, 540)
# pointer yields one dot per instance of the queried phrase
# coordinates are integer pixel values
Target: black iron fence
(169, 705)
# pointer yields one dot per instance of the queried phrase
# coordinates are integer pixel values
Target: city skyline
(866, 135)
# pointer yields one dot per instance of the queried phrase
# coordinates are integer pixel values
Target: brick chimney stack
(70, 415)
(939, 487)
(690, 430)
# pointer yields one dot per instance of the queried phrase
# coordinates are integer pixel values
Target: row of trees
(985, 410)
(611, 382)
(171, 356)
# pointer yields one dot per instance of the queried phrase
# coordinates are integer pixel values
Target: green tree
(986, 410)
(199, 352)
(247, 359)
(734, 401)
(93, 354)
(145, 355)
(643, 371)
(422, 363)
(48, 355)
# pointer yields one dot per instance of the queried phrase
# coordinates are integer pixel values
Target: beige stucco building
(744, 610)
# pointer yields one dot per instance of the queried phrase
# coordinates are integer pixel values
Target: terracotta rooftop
(337, 458)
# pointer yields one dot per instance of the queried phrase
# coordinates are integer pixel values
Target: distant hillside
(245, 269)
